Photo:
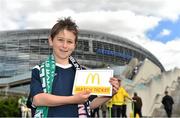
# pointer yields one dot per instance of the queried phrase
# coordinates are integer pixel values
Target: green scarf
(47, 70)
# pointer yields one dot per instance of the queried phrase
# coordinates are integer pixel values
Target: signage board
(95, 81)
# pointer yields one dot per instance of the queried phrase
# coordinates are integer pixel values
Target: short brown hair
(64, 24)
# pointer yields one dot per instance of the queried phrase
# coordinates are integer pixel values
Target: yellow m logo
(92, 77)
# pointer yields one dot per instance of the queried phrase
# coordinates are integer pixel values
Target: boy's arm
(99, 101)
(45, 99)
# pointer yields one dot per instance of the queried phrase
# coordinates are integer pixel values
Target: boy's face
(63, 45)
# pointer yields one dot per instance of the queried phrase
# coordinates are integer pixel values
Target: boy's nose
(64, 44)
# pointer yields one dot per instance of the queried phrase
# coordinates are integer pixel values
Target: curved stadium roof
(22, 49)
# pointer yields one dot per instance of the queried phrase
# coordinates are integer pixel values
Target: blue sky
(165, 31)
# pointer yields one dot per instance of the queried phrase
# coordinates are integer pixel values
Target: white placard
(96, 81)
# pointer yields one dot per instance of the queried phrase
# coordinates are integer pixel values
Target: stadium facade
(22, 49)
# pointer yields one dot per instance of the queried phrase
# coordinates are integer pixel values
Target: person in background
(124, 108)
(52, 81)
(168, 102)
(137, 105)
(118, 102)
(25, 111)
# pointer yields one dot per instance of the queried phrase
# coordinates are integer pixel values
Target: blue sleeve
(35, 86)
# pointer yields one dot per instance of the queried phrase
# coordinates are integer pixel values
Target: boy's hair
(64, 24)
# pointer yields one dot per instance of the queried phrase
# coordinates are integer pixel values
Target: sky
(153, 24)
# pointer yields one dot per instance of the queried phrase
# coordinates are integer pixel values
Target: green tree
(9, 107)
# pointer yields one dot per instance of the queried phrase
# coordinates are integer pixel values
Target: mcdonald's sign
(95, 81)
(93, 77)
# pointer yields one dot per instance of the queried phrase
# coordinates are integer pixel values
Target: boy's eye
(70, 41)
(60, 39)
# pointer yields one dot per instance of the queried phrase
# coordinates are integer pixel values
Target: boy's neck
(64, 66)
(62, 61)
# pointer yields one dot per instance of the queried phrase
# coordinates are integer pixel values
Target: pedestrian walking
(137, 105)
(168, 102)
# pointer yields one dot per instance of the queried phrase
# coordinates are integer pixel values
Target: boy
(52, 81)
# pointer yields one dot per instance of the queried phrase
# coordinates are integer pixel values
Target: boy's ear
(50, 41)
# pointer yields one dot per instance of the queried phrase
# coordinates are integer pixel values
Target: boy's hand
(81, 97)
(115, 84)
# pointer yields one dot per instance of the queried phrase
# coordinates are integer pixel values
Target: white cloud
(168, 53)
(127, 18)
(165, 32)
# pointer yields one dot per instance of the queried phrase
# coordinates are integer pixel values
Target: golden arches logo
(93, 77)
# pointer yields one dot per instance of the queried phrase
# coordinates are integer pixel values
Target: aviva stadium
(20, 50)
